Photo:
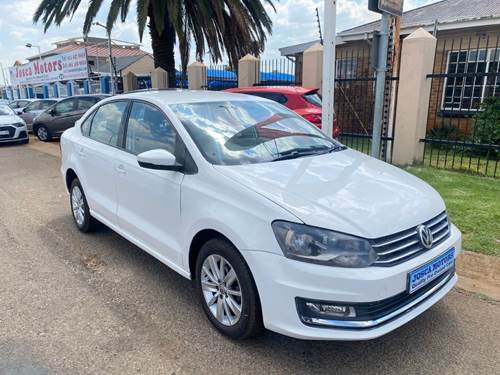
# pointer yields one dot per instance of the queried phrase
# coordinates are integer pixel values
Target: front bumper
(15, 134)
(281, 280)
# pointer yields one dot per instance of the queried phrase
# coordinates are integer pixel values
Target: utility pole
(113, 88)
(328, 89)
(386, 8)
(3, 75)
(380, 85)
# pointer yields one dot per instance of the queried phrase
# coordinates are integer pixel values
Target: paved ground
(95, 304)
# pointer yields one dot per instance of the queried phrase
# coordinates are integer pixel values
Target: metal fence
(221, 77)
(463, 129)
(279, 72)
(181, 78)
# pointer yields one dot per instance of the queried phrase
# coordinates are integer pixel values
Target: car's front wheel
(227, 290)
(43, 133)
(80, 208)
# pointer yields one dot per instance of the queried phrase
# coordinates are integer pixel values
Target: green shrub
(445, 132)
(487, 122)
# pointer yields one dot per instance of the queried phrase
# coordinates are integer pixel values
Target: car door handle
(121, 169)
(81, 152)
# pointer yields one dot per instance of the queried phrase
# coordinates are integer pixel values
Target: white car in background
(278, 225)
(12, 127)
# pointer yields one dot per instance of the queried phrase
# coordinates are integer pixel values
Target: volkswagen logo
(425, 236)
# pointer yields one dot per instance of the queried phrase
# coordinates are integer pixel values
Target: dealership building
(77, 66)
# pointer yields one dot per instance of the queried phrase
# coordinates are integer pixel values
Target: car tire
(80, 208)
(220, 299)
(43, 133)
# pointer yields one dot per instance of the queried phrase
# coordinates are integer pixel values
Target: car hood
(345, 191)
(9, 119)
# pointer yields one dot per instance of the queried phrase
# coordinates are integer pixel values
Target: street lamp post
(113, 89)
(29, 45)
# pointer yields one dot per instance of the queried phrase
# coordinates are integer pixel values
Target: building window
(346, 68)
(467, 83)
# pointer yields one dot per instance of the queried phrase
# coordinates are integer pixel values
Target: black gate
(355, 97)
(463, 128)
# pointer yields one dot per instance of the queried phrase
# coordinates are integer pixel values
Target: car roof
(279, 89)
(177, 96)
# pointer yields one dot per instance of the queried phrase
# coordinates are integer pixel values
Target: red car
(303, 101)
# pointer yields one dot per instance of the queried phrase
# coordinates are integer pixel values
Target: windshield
(5, 110)
(246, 132)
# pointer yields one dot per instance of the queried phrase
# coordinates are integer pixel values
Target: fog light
(310, 311)
(332, 310)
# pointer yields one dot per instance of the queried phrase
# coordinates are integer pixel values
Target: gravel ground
(95, 304)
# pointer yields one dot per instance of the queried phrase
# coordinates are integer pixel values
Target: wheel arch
(198, 241)
(70, 177)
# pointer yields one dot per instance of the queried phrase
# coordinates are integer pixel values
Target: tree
(230, 27)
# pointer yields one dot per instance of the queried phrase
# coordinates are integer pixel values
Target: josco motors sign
(63, 67)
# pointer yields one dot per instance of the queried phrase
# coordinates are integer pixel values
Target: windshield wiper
(308, 151)
(300, 152)
(336, 148)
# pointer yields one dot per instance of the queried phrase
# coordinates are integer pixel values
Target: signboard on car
(394, 7)
(62, 67)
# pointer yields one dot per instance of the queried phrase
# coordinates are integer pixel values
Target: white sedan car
(12, 127)
(278, 225)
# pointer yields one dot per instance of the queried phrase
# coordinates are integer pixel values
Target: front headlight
(322, 246)
(19, 124)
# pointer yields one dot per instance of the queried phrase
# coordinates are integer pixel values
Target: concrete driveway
(95, 304)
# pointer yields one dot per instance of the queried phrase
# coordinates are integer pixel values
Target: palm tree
(220, 27)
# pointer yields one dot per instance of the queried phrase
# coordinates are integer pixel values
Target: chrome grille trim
(400, 247)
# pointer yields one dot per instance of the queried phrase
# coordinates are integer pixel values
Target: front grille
(10, 129)
(400, 247)
(372, 314)
(376, 310)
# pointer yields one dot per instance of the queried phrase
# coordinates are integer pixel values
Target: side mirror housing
(159, 159)
(53, 112)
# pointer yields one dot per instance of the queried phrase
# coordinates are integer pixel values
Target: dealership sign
(394, 7)
(63, 67)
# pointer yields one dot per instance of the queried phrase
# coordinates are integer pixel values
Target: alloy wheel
(221, 290)
(78, 205)
(42, 133)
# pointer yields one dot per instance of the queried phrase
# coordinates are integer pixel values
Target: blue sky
(294, 22)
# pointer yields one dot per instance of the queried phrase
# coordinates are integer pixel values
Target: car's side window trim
(122, 124)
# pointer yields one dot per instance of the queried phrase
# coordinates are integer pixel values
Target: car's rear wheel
(80, 208)
(43, 133)
(227, 290)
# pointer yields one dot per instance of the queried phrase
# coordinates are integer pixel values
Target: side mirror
(18, 111)
(53, 112)
(158, 159)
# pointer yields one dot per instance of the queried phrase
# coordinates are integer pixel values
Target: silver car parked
(35, 108)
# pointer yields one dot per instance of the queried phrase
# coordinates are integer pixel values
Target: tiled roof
(446, 11)
(94, 51)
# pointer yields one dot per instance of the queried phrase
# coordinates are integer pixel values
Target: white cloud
(294, 22)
